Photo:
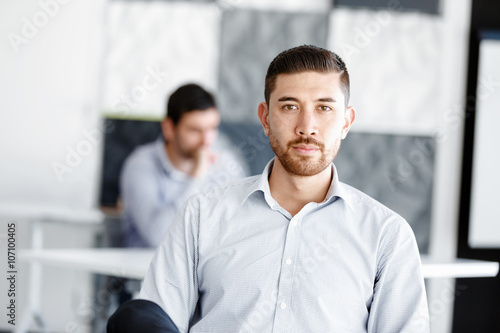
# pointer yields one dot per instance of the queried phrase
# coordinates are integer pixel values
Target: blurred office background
(82, 82)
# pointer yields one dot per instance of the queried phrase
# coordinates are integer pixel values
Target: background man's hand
(203, 159)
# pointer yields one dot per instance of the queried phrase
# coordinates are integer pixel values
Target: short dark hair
(186, 98)
(306, 58)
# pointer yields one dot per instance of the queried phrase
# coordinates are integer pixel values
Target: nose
(307, 124)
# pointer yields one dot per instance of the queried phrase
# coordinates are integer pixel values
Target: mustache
(307, 141)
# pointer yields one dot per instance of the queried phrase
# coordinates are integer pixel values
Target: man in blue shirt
(159, 176)
(294, 249)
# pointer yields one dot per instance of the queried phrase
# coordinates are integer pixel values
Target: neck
(180, 162)
(293, 192)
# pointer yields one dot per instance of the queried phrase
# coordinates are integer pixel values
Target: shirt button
(283, 305)
(288, 261)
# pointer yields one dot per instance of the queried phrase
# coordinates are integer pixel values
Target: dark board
(396, 170)
(122, 136)
(424, 6)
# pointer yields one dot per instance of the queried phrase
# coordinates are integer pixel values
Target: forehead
(308, 85)
(200, 118)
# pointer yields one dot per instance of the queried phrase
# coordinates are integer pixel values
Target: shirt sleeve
(171, 280)
(149, 214)
(399, 300)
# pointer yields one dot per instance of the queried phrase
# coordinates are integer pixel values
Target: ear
(349, 116)
(167, 128)
(263, 112)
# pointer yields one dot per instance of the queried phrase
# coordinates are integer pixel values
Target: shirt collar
(262, 184)
(336, 189)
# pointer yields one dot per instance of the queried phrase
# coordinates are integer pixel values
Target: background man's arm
(141, 196)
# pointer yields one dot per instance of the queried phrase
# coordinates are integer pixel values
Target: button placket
(286, 279)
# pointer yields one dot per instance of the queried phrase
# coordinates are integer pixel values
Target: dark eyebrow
(286, 99)
(293, 99)
(327, 99)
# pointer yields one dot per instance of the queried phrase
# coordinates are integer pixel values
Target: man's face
(306, 120)
(195, 130)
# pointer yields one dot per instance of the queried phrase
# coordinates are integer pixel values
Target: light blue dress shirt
(235, 261)
(152, 190)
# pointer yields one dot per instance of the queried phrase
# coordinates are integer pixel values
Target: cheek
(280, 128)
(212, 136)
(189, 140)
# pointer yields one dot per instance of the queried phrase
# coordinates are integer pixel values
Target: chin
(304, 166)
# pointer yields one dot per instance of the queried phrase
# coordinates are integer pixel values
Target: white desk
(133, 263)
(36, 215)
(51, 213)
(121, 262)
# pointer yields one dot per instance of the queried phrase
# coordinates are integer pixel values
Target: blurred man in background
(158, 177)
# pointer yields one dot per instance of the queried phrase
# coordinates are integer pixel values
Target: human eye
(195, 130)
(290, 107)
(325, 108)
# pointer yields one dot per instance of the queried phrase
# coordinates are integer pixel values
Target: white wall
(484, 221)
(50, 54)
(50, 99)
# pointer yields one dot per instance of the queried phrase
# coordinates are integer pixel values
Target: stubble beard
(191, 153)
(303, 165)
(186, 152)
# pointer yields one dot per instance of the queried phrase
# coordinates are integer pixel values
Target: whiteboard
(484, 218)
(50, 152)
